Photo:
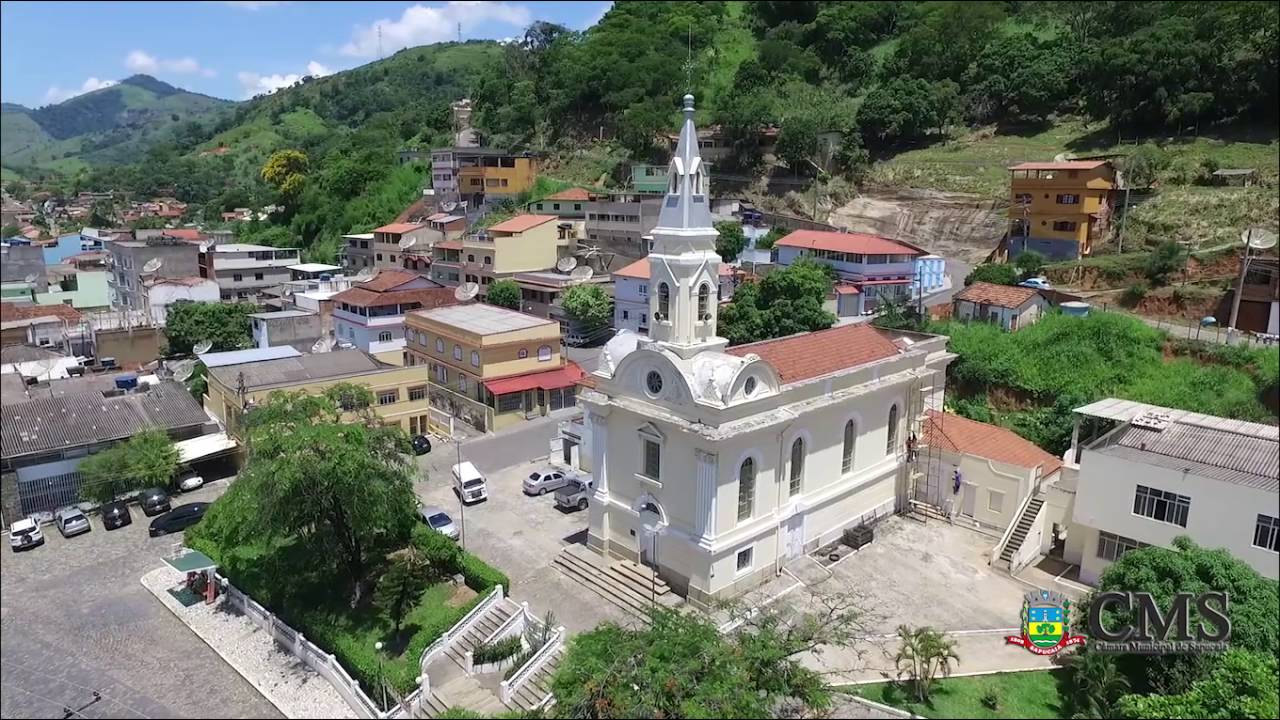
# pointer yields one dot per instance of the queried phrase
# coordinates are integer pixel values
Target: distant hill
(107, 126)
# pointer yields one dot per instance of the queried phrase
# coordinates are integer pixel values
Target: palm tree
(1096, 684)
(924, 654)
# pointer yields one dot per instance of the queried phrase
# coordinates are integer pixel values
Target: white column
(600, 451)
(705, 517)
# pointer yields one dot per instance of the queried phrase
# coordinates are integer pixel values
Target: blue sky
(56, 50)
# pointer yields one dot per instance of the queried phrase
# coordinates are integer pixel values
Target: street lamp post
(382, 679)
(462, 505)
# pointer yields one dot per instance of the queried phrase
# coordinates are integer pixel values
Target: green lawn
(1020, 695)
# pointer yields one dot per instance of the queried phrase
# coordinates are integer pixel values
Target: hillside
(111, 125)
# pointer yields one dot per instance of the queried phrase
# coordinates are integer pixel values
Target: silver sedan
(71, 521)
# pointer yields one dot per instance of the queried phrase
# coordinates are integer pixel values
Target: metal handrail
(460, 627)
(535, 663)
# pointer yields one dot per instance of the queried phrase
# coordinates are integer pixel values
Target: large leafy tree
(148, 459)
(504, 293)
(1021, 77)
(1096, 684)
(946, 40)
(906, 110)
(226, 325)
(787, 301)
(587, 305)
(1243, 685)
(286, 171)
(731, 240)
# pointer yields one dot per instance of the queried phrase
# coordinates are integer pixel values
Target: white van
(469, 483)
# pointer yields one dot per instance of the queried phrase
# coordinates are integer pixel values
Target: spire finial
(688, 105)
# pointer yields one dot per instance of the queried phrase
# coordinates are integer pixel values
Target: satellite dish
(152, 265)
(466, 291)
(1259, 238)
(323, 345)
(182, 369)
(30, 278)
(567, 263)
(407, 242)
(202, 347)
(363, 275)
(286, 291)
(448, 206)
(108, 260)
(581, 274)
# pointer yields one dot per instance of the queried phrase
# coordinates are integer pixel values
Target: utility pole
(1123, 216)
(1235, 300)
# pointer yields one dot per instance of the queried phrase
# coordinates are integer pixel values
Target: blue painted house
(869, 268)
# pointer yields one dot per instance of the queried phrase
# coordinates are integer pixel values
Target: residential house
(525, 243)
(441, 227)
(162, 292)
(314, 295)
(875, 267)
(50, 428)
(313, 271)
(81, 288)
(382, 251)
(475, 174)
(357, 251)
(649, 178)
(1060, 209)
(540, 294)
(569, 203)
(22, 269)
(60, 327)
(619, 224)
(370, 315)
(134, 262)
(240, 379)
(491, 366)
(298, 328)
(57, 251)
(1011, 307)
(1259, 302)
(243, 271)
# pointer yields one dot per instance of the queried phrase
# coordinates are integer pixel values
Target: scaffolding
(924, 495)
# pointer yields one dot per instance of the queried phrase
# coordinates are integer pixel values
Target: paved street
(526, 441)
(75, 620)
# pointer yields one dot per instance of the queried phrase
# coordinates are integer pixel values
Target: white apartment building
(244, 271)
(714, 465)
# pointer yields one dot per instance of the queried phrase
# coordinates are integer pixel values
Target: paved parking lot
(75, 620)
(521, 535)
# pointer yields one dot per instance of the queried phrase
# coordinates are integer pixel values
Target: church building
(716, 465)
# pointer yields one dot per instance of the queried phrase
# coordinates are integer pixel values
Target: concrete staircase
(484, 626)
(533, 691)
(632, 587)
(463, 692)
(1020, 531)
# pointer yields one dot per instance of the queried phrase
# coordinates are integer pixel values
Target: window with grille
(544, 353)
(475, 358)
(1161, 505)
(1111, 546)
(664, 302)
(509, 402)
(1068, 199)
(652, 459)
(457, 352)
(797, 467)
(746, 489)
(418, 393)
(744, 559)
(850, 436)
(704, 301)
(1064, 226)
(384, 336)
(1266, 533)
(386, 397)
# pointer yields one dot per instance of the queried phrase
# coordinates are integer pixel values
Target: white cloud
(422, 25)
(143, 62)
(251, 4)
(257, 84)
(56, 94)
(592, 20)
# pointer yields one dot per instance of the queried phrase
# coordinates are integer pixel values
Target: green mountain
(111, 125)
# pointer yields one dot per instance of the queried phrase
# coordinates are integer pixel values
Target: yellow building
(489, 365)
(1060, 209)
(525, 243)
(242, 378)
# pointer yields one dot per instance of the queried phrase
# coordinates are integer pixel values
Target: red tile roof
(427, 297)
(1064, 165)
(561, 377)
(575, 194)
(638, 270)
(846, 242)
(811, 355)
(961, 435)
(388, 280)
(1008, 296)
(847, 290)
(520, 223)
(187, 234)
(398, 228)
(10, 312)
(449, 245)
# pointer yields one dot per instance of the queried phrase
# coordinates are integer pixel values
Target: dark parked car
(421, 445)
(116, 515)
(178, 519)
(153, 501)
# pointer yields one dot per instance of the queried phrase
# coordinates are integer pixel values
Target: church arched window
(704, 301)
(664, 302)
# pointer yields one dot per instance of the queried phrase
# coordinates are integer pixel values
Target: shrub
(519, 662)
(1134, 294)
(994, 273)
(493, 652)
(991, 700)
(481, 576)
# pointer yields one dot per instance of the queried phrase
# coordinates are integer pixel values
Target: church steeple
(684, 269)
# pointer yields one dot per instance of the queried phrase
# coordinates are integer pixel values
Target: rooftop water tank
(1075, 308)
(127, 382)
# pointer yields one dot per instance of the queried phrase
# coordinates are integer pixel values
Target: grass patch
(1018, 695)
(1205, 217)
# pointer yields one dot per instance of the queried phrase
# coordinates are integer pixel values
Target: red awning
(563, 377)
(847, 290)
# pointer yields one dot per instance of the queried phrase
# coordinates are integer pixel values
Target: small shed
(1237, 177)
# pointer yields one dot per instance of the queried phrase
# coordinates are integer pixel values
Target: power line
(98, 694)
(66, 709)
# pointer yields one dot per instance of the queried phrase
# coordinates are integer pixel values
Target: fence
(545, 654)
(326, 665)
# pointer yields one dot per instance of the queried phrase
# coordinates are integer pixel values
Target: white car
(541, 482)
(25, 533)
(468, 483)
(1039, 283)
(190, 482)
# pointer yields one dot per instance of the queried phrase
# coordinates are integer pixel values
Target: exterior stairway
(485, 626)
(533, 691)
(462, 692)
(632, 587)
(1019, 534)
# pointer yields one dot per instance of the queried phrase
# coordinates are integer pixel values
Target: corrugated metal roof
(236, 357)
(298, 369)
(1206, 451)
(1126, 410)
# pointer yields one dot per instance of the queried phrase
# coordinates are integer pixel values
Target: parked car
(1038, 283)
(540, 482)
(190, 482)
(25, 533)
(178, 519)
(437, 519)
(469, 483)
(115, 515)
(71, 521)
(421, 444)
(153, 501)
(575, 494)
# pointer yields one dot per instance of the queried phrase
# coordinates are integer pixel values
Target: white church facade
(716, 465)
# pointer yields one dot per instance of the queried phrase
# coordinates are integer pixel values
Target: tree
(923, 654)
(587, 305)
(905, 110)
(1168, 258)
(1021, 77)
(994, 273)
(286, 170)
(788, 301)
(742, 321)
(1143, 166)
(102, 213)
(1096, 684)
(943, 44)
(731, 240)
(767, 241)
(226, 325)
(1029, 263)
(401, 585)
(504, 293)
(798, 142)
(17, 189)
(148, 459)
(9, 231)
(1242, 686)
